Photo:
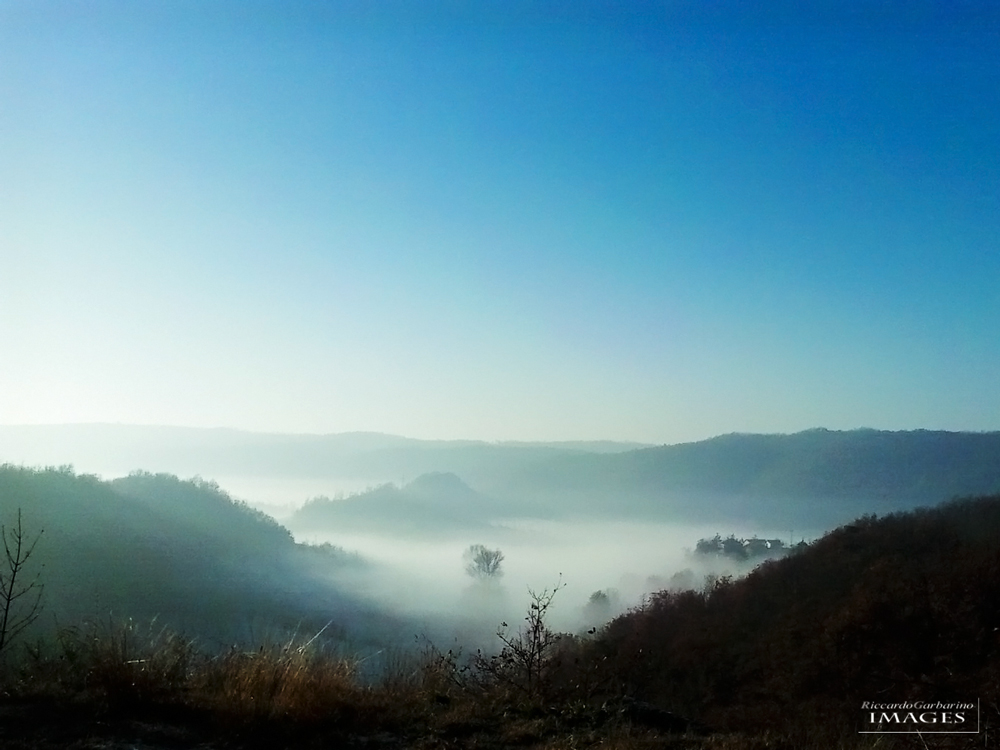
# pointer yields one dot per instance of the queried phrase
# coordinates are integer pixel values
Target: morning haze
(383, 322)
(600, 515)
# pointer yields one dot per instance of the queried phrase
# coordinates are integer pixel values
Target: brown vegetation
(905, 607)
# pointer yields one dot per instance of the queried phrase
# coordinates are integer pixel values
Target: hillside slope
(150, 546)
(431, 504)
(905, 607)
(815, 478)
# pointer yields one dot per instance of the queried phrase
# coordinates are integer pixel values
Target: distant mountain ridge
(111, 449)
(839, 474)
(816, 477)
(812, 479)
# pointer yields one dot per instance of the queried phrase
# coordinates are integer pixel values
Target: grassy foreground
(126, 686)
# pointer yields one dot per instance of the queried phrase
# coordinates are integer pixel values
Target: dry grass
(114, 663)
(303, 693)
(287, 681)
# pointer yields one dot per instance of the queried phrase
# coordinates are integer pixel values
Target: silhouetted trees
(601, 606)
(739, 549)
(482, 563)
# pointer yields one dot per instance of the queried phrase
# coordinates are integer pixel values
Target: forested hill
(432, 504)
(815, 478)
(904, 608)
(829, 474)
(153, 546)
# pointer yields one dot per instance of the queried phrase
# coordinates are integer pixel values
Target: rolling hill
(816, 478)
(152, 546)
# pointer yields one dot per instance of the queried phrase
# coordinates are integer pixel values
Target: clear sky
(501, 220)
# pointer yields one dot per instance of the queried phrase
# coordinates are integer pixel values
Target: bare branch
(17, 615)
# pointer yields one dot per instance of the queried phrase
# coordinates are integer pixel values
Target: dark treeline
(740, 549)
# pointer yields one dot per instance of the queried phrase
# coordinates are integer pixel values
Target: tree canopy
(483, 563)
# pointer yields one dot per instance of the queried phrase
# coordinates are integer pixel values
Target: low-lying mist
(625, 560)
(410, 564)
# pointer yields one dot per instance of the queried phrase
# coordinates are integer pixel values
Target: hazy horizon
(307, 433)
(472, 438)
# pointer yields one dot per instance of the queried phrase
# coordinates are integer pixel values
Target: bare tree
(20, 602)
(483, 563)
(524, 662)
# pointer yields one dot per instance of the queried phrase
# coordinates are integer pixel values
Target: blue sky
(647, 221)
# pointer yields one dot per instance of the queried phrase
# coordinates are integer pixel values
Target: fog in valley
(426, 576)
(367, 536)
(464, 570)
(396, 520)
